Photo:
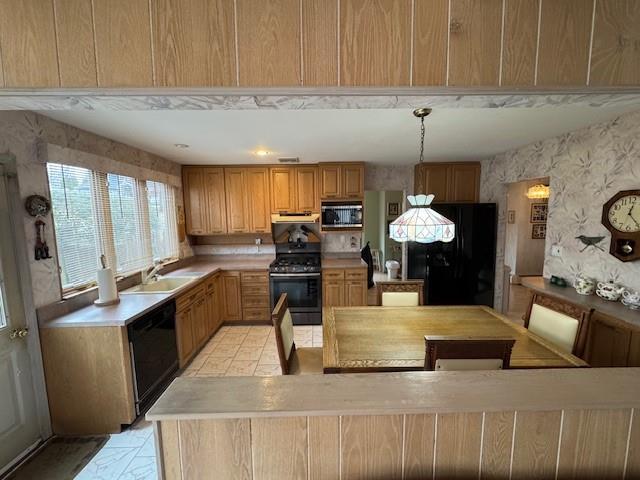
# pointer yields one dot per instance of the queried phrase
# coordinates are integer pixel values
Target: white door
(19, 426)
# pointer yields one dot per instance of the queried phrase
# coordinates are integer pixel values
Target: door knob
(19, 333)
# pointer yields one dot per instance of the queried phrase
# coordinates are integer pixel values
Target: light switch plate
(556, 250)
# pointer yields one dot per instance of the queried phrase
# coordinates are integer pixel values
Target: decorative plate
(37, 205)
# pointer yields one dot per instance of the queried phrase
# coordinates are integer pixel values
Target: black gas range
(297, 271)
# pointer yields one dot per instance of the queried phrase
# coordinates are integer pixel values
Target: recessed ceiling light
(262, 153)
(181, 145)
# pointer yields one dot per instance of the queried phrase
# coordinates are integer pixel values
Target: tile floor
(233, 351)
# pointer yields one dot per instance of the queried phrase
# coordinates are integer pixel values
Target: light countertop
(568, 293)
(132, 306)
(329, 261)
(398, 393)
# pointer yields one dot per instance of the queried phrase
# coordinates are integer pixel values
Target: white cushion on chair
(447, 364)
(400, 299)
(286, 330)
(558, 328)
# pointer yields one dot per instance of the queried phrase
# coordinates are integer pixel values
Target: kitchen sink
(163, 285)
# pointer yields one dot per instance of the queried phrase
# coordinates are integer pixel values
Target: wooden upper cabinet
(320, 42)
(615, 57)
(195, 200)
(76, 50)
(283, 189)
(449, 182)
(258, 199)
(307, 194)
(520, 42)
(194, 43)
(237, 207)
(565, 32)
(269, 43)
(216, 200)
(330, 181)
(28, 44)
(375, 42)
(353, 181)
(430, 39)
(123, 43)
(474, 42)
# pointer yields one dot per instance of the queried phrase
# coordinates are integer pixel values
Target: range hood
(302, 217)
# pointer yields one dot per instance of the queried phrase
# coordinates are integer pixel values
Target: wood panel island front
(546, 423)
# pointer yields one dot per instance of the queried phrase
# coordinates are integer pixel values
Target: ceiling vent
(289, 160)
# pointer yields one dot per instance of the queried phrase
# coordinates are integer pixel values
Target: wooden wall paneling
(430, 38)
(269, 43)
(324, 448)
(194, 43)
(76, 48)
(279, 447)
(520, 42)
(320, 43)
(123, 43)
(371, 446)
(474, 42)
(535, 445)
(615, 56)
(375, 42)
(458, 445)
(633, 453)
(28, 43)
(496, 445)
(584, 434)
(169, 449)
(418, 446)
(220, 446)
(565, 32)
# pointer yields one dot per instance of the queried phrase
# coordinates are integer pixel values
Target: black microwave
(341, 215)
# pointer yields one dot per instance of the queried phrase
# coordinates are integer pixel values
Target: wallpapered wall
(27, 136)
(586, 168)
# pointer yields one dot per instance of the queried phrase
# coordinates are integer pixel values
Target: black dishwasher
(154, 353)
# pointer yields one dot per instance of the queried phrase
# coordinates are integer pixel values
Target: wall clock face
(621, 216)
(624, 214)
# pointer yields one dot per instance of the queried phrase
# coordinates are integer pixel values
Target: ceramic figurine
(609, 291)
(584, 285)
(631, 299)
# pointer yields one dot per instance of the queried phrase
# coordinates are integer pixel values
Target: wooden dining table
(380, 339)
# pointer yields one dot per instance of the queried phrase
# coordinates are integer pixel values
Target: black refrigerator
(460, 272)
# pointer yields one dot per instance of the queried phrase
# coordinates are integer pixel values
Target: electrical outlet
(556, 250)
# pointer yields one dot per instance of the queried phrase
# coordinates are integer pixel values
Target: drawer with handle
(254, 277)
(255, 314)
(255, 289)
(257, 301)
(332, 274)
(355, 274)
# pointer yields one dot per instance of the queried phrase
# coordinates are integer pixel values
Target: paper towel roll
(107, 290)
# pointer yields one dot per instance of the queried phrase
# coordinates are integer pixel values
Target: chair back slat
(283, 326)
(467, 353)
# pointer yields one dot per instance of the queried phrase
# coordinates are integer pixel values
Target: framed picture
(393, 209)
(539, 231)
(511, 216)
(539, 212)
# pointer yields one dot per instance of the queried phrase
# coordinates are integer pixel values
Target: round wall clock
(37, 205)
(621, 216)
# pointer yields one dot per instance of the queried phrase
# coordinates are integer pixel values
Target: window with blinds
(130, 221)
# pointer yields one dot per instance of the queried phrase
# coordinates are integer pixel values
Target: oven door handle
(294, 275)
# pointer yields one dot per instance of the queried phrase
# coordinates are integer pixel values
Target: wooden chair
(467, 353)
(560, 322)
(375, 257)
(401, 286)
(293, 361)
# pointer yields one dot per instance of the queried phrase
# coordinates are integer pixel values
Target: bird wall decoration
(590, 242)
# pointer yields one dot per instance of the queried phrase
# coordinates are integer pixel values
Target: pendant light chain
(421, 139)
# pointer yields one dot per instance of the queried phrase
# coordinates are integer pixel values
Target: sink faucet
(149, 276)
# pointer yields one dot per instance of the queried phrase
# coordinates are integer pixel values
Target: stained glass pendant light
(421, 223)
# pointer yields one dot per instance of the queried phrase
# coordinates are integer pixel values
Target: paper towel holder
(106, 303)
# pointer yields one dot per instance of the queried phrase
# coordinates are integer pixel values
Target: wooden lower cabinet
(611, 344)
(184, 333)
(255, 296)
(232, 301)
(344, 287)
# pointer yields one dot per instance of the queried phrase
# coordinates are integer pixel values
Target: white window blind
(128, 220)
(72, 200)
(164, 229)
